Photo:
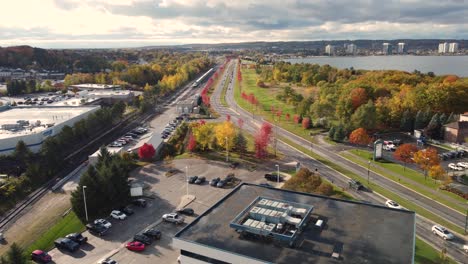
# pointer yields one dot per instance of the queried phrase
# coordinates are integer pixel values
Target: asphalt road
(423, 226)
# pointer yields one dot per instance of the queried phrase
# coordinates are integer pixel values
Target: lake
(440, 65)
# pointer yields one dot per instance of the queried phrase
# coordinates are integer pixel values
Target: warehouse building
(33, 125)
(257, 224)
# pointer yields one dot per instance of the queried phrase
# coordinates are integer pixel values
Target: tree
(434, 127)
(426, 158)
(405, 153)
(14, 255)
(436, 172)
(223, 131)
(358, 97)
(203, 134)
(192, 143)
(359, 137)
(240, 143)
(339, 134)
(365, 116)
(146, 152)
(306, 123)
(261, 140)
(406, 123)
(304, 181)
(331, 132)
(325, 189)
(419, 120)
(22, 153)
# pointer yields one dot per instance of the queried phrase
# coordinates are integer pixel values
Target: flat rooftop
(361, 233)
(95, 86)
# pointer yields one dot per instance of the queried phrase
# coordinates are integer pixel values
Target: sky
(136, 23)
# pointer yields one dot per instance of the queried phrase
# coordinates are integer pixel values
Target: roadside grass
(409, 174)
(68, 224)
(425, 254)
(224, 90)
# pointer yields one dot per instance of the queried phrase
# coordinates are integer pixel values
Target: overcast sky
(130, 23)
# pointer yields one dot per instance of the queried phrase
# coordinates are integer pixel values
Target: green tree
(406, 123)
(419, 122)
(340, 133)
(22, 152)
(331, 132)
(14, 255)
(240, 143)
(365, 116)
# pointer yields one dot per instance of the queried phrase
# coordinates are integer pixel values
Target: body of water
(440, 65)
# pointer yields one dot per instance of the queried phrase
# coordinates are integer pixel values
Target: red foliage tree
(228, 117)
(272, 109)
(279, 113)
(359, 136)
(297, 119)
(240, 122)
(306, 123)
(261, 140)
(202, 122)
(405, 153)
(358, 97)
(288, 116)
(192, 143)
(146, 152)
(244, 96)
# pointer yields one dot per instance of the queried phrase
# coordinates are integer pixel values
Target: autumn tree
(223, 131)
(203, 133)
(436, 172)
(240, 143)
(287, 116)
(146, 152)
(339, 134)
(358, 97)
(304, 181)
(405, 153)
(306, 123)
(192, 143)
(261, 140)
(365, 116)
(14, 255)
(426, 158)
(359, 137)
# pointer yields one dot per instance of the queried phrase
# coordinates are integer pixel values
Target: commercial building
(106, 95)
(330, 49)
(33, 125)
(443, 47)
(93, 86)
(387, 48)
(257, 224)
(401, 48)
(351, 49)
(453, 47)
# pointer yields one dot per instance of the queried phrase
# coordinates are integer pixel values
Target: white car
(393, 204)
(116, 214)
(453, 166)
(463, 164)
(115, 144)
(389, 147)
(103, 222)
(442, 232)
(465, 247)
(173, 218)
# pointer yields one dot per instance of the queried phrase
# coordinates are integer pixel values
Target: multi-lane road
(423, 225)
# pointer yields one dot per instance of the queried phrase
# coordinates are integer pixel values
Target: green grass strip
(425, 254)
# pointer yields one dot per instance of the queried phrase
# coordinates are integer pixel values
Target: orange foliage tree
(426, 158)
(359, 136)
(405, 153)
(358, 97)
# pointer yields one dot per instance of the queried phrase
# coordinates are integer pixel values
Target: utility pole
(466, 219)
(368, 171)
(85, 206)
(227, 150)
(277, 173)
(186, 177)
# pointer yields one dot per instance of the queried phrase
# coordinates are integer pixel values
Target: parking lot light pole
(277, 173)
(186, 177)
(466, 219)
(227, 150)
(85, 206)
(368, 171)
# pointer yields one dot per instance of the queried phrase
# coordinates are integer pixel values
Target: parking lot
(167, 193)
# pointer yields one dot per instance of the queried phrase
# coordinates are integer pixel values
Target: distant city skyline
(135, 23)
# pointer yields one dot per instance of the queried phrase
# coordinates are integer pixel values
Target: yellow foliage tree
(203, 134)
(437, 172)
(223, 131)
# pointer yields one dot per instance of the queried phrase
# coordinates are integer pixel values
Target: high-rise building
(351, 49)
(443, 47)
(330, 49)
(453, 47)
(387, 49)
(401, 47)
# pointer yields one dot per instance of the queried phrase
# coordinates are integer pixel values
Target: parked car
(463, 164)
(116, 214)
(66, 244)
(230, 177)
(234, 165)
(200, 180)
(393, 204)
(107, 261)
(214, 181)
(154, 233)
(41, 256)
(221, 183)
(192, 179)
(442, 232)
(126, 210)
(103, 222)
(186, 211)
(453, 166)
(133, 135)
(139, 202)
(123, 142)
(115, 144)
(173, 218)
(77, 237)
(99, 230)
(272, 177)
(135, 246)
(143, 239)
(356, 185)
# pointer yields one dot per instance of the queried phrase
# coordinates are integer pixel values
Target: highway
(423, 225)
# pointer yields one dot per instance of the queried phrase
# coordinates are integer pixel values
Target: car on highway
(192, 179)
(200, 180)
(99, 230)
(107, 261)
(393, 204)
(356, 185)
(139, 202)
(442, 232)
(186, 211)
(116, 214)
(66, 244)
(41, 256)
(153, 233)
(143, 239)
(214, 181)
(453, 166)
(127, 210)
(135, 246)
(173, 218)
(465, 248)
(103, 222)
(77, 237)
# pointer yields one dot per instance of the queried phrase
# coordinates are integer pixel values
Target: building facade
(330, 49)
(351, 49)
(387, 48)
(443, 47)
(453, 47)
(401, 48)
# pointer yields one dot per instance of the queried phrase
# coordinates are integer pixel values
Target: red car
(135, 246)
(41, 256)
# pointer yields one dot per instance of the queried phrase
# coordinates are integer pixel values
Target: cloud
(104, 22)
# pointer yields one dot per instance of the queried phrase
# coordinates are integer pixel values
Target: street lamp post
(466, 219)
(368, 171)
(277, 173)
(186, 177)
(227, 150)
(85, 206)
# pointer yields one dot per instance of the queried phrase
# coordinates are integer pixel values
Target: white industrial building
(453, 47)
(93, 86)
(330, 49)
(33, 125)
(109, 96)
(443, 47)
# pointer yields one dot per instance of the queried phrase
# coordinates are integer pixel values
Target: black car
(234, 165)
(99, 230)
(126, 210)
(214, 181)
(140, 202)
(272, 177)
(356, 185)
(154, 233)
(192, 179)
(143, 239)
(132, 135)
(221, 183)
(229, 178)
(67, 244)
(186, 211)
(200, 180)
(77, 237)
